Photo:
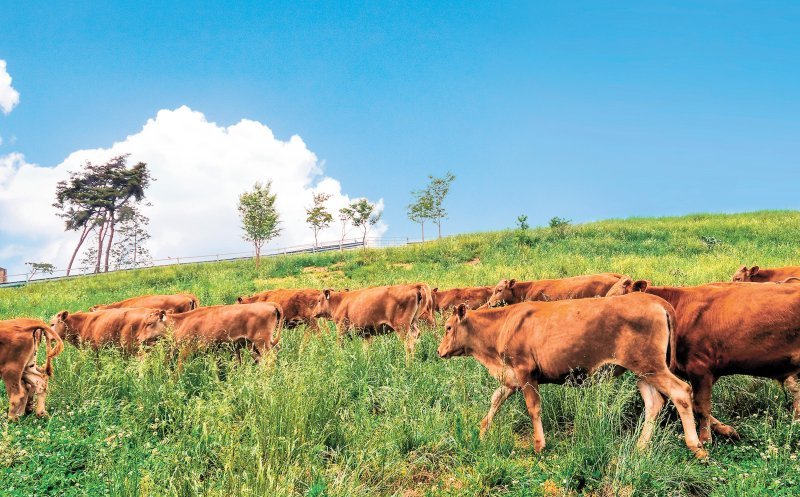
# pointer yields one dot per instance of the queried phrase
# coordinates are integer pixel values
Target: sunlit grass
(322, 418)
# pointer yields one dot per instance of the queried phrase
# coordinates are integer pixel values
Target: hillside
(323, 419)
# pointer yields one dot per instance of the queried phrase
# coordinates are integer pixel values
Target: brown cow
(756, 274)
(473, 297)
(297, 304)
(181, 302)
(19, 341)
(256, 326)
(576, 287)
(378, 310)
(530, 343)
(732, 328)
(128, 328)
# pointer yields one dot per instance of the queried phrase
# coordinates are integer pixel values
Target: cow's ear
(327, 294)
(240, 300)
(640, 286)
(163, 316)
(346, 289)
(63, 315)
(461, 310)
(435, 289)
(512, 282)
(754, 270)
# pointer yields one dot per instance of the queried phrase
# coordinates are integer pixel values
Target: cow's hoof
(727, 431)
(43, 414)
(538, 447)
(701, 454)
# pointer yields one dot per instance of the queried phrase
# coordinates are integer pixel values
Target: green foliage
(259, 216)
(362, 214)
(355, 419)
(318, 216)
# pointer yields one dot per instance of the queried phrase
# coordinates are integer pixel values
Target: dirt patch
(315, 269)
(473, 262)
(402, 265)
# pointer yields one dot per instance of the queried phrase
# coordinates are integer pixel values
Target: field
(353, 420)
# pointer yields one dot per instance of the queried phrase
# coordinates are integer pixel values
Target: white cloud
(200, 169)
(9, 97)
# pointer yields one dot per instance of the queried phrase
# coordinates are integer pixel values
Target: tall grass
(322, 418)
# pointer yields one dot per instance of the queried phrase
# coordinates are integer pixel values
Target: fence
(77, 272)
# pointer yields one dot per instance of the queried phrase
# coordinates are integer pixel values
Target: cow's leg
(30, 397)
(41, 398)
(17, 394)
(653, 402)
(681, 395)
(411, 338)
(793, 386)
(498, 398)
(702, 385)
(534, 404)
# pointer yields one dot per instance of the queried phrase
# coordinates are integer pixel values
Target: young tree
(130, 249)
(344, 219)
(259, 217)
(39, 267)
(318, 216)
(92, 198)
(437, 189)
(420, 209)
(361, 213)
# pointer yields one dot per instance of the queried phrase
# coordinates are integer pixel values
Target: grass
(353, 420)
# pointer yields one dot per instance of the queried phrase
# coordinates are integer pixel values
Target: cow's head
(243, 300)
(745, 274)
(626, 285)
(154, 326)
(456, 333)
(59, 324)
(322, 308)
(504, 292)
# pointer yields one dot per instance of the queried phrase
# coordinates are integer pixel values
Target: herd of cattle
(524, 332)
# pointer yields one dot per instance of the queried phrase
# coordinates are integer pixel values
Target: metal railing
(86, 271)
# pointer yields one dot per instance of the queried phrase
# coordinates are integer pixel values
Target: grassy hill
(323, 419)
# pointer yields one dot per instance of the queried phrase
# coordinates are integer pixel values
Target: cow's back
(747, 328)
(575, 287)
(585, 333)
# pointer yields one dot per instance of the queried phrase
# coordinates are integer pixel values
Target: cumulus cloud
(9, 97)
(200, 170)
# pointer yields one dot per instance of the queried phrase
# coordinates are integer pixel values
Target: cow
(377, 310)
(180, 302)
(531, 343)
(473, 297)
(24, 380)
(731, 328)
(255, 326)
(127, 328)
(577, 287)
(297, 304)
(756, 274)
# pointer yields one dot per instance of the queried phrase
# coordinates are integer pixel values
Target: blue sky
(585, 110)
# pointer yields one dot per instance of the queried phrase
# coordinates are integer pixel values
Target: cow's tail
(671, 346)
(50, 337)
(276, 335)
(424, 304)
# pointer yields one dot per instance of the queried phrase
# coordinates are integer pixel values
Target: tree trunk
(439, 224)
(258, 255)
(422, 223)
(100, 238)
(110, 240)
(78, 247)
